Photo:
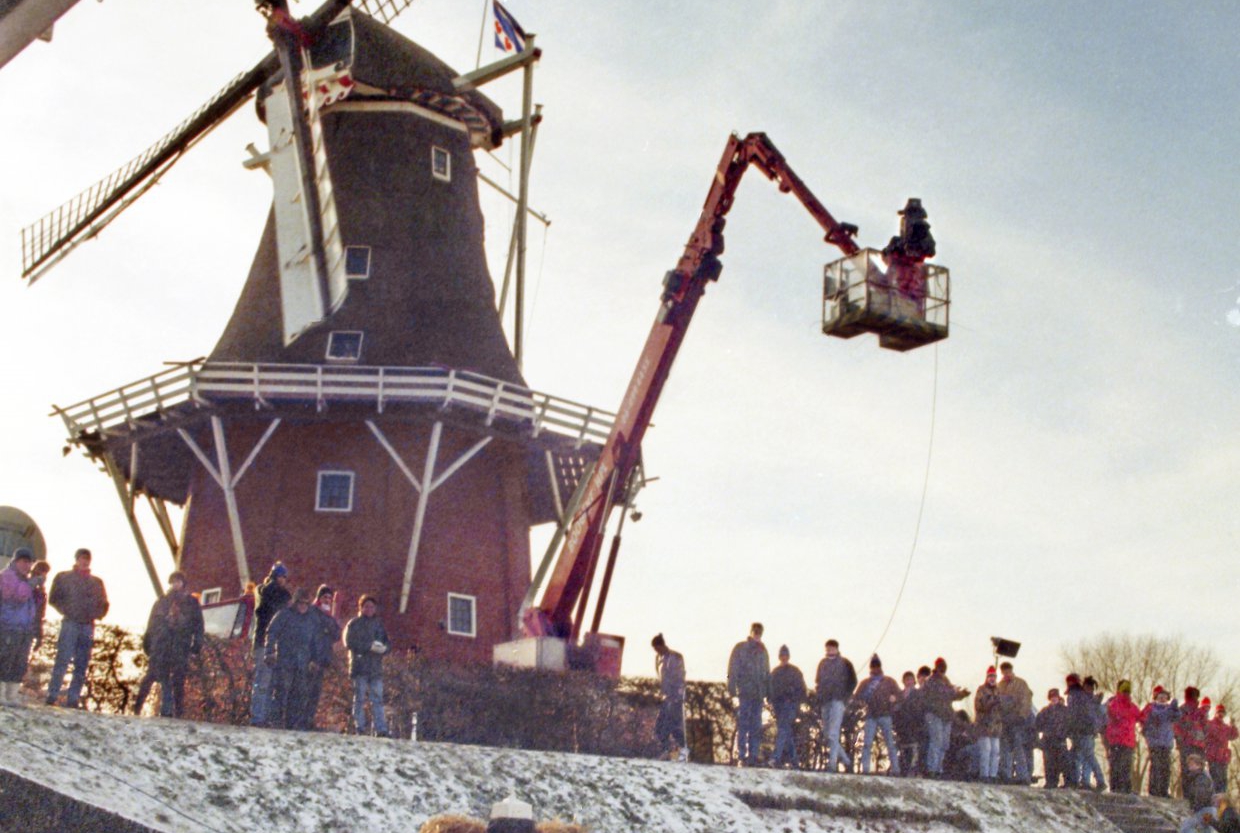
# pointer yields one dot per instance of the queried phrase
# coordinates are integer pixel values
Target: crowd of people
(294, 637)
(926, 734)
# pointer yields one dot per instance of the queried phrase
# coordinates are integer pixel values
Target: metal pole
(523, 201)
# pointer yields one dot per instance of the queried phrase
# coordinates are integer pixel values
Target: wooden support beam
(126, 495)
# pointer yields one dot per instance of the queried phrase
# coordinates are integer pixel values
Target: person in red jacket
(1190, 726)
(1121, 736)
(1219, 735)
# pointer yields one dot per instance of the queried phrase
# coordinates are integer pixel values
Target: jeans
(368, 688)
(73, 645)
(785, 738)
(669, 727)
(940, 732)
(1014, 754)
(260, 696)
(1086, 761)
(988, 757)
(749, 729)
(872, 726)
(832, 721)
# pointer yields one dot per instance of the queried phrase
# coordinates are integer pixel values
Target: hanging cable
(925, 488)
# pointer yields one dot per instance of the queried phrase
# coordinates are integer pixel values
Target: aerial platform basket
(862, 295)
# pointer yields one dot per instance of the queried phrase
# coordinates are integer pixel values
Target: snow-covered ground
(201, 778)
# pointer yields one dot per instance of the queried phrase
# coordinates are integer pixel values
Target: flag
(509, 36)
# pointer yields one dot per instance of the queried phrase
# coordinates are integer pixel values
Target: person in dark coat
(1051, 727)
(294, 650)
(1083, 730)
(749, 672)
(81, 599)
(329, 638)
(787, 694)
(273, 596)
(909, 721)
(174, 631)
(880, 694)
(1190, 726)
(1199, 793)
(940, 694)
(1158, 725)
(834, 683)
(367, 642)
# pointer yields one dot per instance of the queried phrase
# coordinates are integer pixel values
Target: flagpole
(482, 34)
(523, 201)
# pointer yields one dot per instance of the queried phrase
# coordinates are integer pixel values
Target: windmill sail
(53, 236)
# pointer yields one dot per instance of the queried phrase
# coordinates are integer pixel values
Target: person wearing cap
(988, 720)
(273, 596)
(1121, 736)
(940, 694)
(1219, 735)
(749, 679)
(293, 650)
(1158, 726)
(18, 620)
(81, 599)
(880, 694)
(368, 642)
(1016, 703)
(328, 638)
(1190, 726)
(834, 683)
(1051, 729)
(669, 727)
(787, 694)
(174, 631)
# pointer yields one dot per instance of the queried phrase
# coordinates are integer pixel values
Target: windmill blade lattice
(383, 10)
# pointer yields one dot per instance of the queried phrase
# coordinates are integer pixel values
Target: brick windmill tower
(362, 417)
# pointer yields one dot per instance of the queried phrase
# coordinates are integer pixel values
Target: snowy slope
(202, 778)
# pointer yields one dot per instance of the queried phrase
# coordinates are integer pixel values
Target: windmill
(361, 417)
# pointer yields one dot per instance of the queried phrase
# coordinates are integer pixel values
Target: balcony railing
(150, 401)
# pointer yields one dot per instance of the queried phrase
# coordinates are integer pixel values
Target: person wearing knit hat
(787, 694)
(174, 631)
(1051, 733)
(988, 721)
(328, 637)
(272, 596)
(295, 647)
(939, 696)
(1121, 736)
(1219, 736)
(18, 614)
(1083, 717)
(880, 694)
(1158, 725)
(833, 685)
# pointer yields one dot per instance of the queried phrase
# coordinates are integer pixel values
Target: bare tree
(1147, 660)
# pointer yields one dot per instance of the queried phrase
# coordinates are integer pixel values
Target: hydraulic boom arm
(570, 580)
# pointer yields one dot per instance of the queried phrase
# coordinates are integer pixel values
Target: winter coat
(880, 694)
(939, 696)
(1199, 790)
(909, 715)
(1051, 725)
(1158, 724)
(787, 685)
(328, 636)
(1219, 735)
(174, 630)
(79, 596)
(272, 598)
(671, 670)
(359, 635)
(749, 670)
(1016, 701)
(1122, 716)
(295, 639)
(836, 679)
(18, 608)
(1082, 712)
(1190, 728)
(988, 711)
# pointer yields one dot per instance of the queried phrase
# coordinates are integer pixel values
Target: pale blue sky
(1079, 165)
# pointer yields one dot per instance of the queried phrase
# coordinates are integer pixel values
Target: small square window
(335, 492)
(344, 345)
(210, 597)
(441, 164)
(357, 262)
(461, 615)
